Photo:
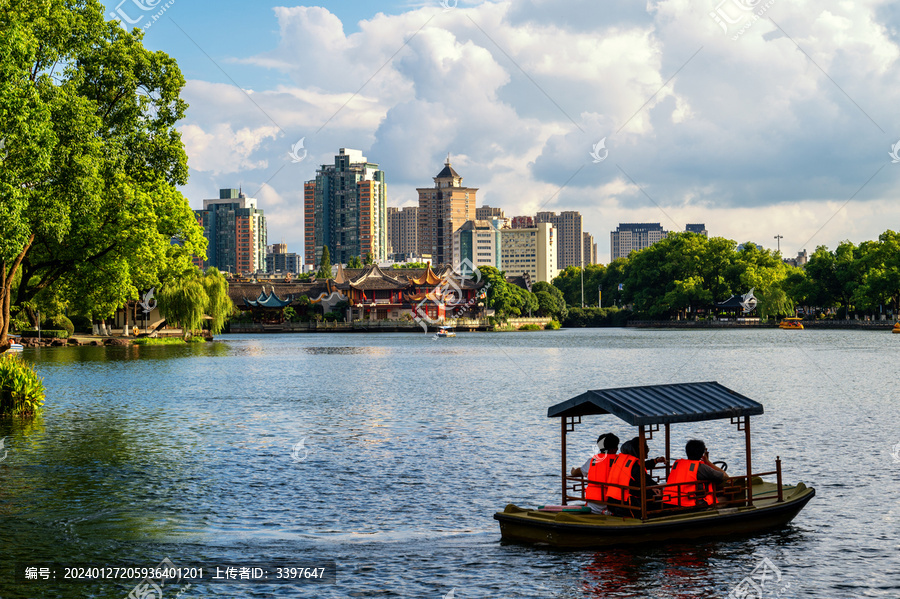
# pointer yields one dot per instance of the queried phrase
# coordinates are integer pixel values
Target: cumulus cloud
(771, 122)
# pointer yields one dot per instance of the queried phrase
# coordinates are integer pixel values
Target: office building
(568, 226)
(403, 231)
(589, 249)
(697, 228)
(630, 237)
(479, 242)
(236, 231)
(279, 260)
(345, 209)
(442, 210)
(531, 251)
(488, 213)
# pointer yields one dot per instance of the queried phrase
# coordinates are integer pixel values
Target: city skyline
(666, 115)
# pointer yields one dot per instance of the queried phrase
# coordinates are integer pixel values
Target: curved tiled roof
(375, 278)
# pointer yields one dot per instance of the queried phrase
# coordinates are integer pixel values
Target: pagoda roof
(268, 300)
(428, 277)
(375, 278)
(340, 276)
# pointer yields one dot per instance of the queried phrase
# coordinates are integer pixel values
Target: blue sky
(756, 117)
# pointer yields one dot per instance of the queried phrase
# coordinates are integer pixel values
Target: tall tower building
(442, 210)
(589, 249)
(403, 231)
(479, 242)
(629, 237)
(531, 251)
(568, 226)
(345, 209)
(236, 231)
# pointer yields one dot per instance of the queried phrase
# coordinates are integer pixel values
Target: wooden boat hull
(564, 529)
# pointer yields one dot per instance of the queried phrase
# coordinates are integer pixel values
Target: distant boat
(446, 332)
(791, 323)
(896, 327)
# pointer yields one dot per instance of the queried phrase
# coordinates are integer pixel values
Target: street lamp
(778, 239)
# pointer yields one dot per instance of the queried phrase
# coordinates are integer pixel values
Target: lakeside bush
(553, 325)
(530, 327)
(21, 389)
(596, 317)
(59, 323)
(81, 324)
(46, 333)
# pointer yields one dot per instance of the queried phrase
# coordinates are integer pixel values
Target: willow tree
(189, 298)
(91, 159)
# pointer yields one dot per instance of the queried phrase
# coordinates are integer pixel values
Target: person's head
(632, 446)
(609, 442)
(695, 449)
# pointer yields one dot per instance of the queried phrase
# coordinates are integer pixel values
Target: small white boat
(446, 332)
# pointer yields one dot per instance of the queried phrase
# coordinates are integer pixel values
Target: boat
(740, 508)
(446, 332)
(791, 323)
(14, 348)
(896, 327)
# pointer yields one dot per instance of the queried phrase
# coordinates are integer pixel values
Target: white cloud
(749, 136)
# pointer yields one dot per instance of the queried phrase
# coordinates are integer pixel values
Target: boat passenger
(627, 471)
(596, 470)
(696, 468)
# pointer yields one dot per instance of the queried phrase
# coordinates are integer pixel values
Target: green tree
(505, 298)
(354, 262)
(325, 264)
(89, 204)
(550, 300)
(368, 259)
(187, 299)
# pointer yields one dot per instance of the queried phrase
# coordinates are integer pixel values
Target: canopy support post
(668, 456)
(643, 458)
(562, 423)
(749, 465)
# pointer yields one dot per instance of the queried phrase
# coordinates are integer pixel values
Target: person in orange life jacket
(630, 448)
(596, 470)
(697, 467)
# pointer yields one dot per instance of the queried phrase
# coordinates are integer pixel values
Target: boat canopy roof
(660, 404)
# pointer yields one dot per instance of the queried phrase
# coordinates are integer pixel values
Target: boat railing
(734, 492)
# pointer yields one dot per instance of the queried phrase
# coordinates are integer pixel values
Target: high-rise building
(403, 230)
(278, 259)
(479, 242)
(442, 210)
(531, 251)
(629, 237)
(488, 213)
(697, 228)
(589, 249)
(569, 228)
(236, 231)
(345, 209)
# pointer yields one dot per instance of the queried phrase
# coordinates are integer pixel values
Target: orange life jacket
(598, 476)
(685, 471)
(620, 474)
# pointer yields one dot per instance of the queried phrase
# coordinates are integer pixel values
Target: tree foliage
(186, 300)
(88, 203)
(325, 264)
(355, 262)
(505, 298)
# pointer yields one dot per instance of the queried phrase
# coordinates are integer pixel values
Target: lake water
(389, 453)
